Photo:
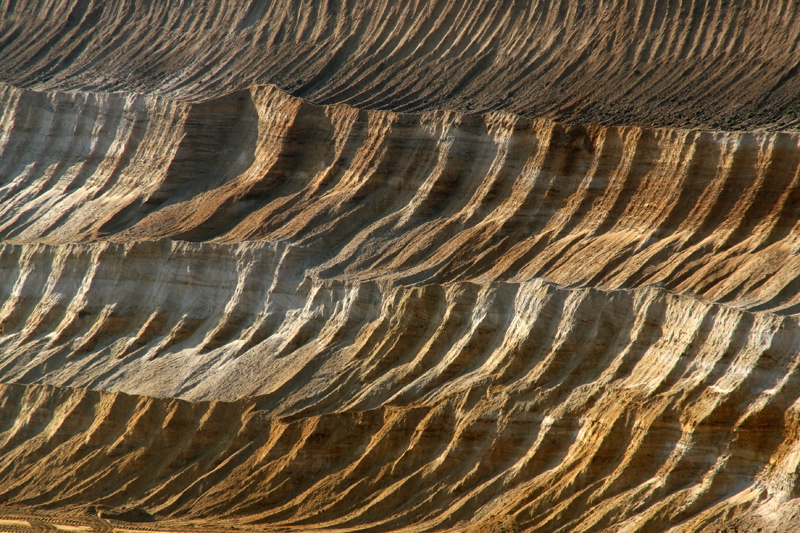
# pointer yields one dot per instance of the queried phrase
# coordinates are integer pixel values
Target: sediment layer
(224, 321)
(687, 63)
(415, 199)
(582, 440)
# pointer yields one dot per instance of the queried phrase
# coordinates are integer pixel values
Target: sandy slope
(667, 62)
(484, 309)
(223, 303)
(567, 457)
(337, 193)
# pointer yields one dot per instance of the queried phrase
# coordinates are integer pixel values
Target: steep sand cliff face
(234, 308)
(438, 197)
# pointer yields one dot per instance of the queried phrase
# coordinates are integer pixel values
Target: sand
(369, 266)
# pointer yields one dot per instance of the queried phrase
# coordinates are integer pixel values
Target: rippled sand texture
(454, 281)
(689, 62)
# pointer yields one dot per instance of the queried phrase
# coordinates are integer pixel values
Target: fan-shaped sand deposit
(455, 281)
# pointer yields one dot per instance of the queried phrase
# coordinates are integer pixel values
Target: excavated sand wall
(482, 308)
(226, 303)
